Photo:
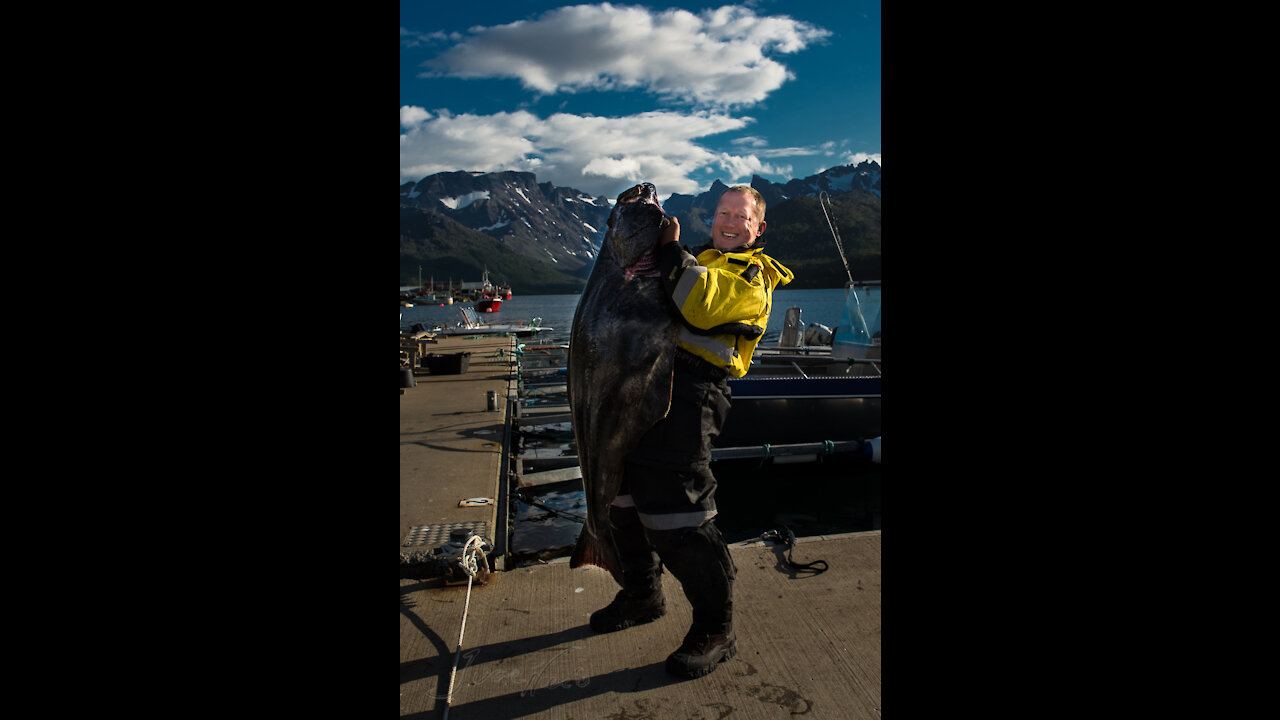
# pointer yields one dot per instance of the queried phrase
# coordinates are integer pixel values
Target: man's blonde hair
(753, 193)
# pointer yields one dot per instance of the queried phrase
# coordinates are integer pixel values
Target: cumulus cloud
(852, 158)
(716, 58)
(599, 155)
(708, 64)
(411, 116)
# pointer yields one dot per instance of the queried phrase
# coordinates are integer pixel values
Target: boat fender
(871, 449)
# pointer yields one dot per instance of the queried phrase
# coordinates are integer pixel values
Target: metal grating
(437, 535)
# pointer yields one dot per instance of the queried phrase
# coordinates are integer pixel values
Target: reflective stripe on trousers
(667, 521)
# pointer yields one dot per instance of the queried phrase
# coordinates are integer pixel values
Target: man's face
(736, 222)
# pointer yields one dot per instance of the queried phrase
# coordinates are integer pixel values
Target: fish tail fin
(590, 551)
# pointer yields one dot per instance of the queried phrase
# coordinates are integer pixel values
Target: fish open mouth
(646, 266)
(644, 192)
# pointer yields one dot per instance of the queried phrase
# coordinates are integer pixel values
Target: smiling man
(666, 506)
(724, 289)
(739, 219)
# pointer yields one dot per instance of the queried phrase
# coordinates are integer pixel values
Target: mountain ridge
(541, 238)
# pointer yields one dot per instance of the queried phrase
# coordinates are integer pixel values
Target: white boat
(470, 324)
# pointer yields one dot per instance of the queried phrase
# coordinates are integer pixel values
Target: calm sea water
(816, 306)
(833, 495)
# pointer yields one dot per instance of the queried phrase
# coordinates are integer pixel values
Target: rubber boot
(700, 653)
(700, 561)
(640, 600)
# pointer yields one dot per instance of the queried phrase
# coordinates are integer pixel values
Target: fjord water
(817, 306)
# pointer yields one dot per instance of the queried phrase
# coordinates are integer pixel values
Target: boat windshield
(859, 304)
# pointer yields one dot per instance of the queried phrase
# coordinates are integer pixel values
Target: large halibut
(621, 351)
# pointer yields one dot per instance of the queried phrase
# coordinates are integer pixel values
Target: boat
(423, 294)
(798, 392)
(489, 304)
(483, 292)
(471, 324)
(544, 356)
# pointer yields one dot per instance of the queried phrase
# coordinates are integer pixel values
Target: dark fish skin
(621, 351)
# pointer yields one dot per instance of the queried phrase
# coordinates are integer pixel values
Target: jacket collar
(708, 245)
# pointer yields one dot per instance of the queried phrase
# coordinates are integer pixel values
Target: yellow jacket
(724, 299)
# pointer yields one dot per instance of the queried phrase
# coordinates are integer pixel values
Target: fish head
(635, 224)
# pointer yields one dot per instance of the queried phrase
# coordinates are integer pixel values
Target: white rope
(470, 567)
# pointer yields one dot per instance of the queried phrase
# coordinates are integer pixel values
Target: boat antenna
(835, 234)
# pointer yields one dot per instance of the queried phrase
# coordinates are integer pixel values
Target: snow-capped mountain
(556, 225)
(561, 229)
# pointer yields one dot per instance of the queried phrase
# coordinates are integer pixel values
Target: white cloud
(853, 158)
(716, 58)
(411, 116)
(411, 39)
(715, 61)
(599, 155)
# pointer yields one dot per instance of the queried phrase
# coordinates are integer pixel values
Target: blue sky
(601, 96)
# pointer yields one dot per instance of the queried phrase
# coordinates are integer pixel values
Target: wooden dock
(808, 645)
(453, 448)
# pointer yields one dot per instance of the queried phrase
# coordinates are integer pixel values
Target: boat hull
(785, 410)
(471, 325)
(517, 330)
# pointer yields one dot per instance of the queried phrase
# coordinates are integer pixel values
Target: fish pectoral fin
(591, 551)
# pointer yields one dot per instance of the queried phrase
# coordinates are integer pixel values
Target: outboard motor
(790, 337)
(817, 334)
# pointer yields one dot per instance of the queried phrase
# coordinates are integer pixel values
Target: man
(666, 505)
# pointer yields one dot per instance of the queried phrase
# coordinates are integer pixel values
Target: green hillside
(797, 234)
(446, 249)
(800, 238)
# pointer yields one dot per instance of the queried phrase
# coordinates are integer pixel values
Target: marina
(487, 450)
(804, 410)
(486, 296)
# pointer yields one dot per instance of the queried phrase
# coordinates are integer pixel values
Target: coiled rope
(470, 567)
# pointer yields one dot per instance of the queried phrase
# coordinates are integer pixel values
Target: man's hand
(670, 231)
